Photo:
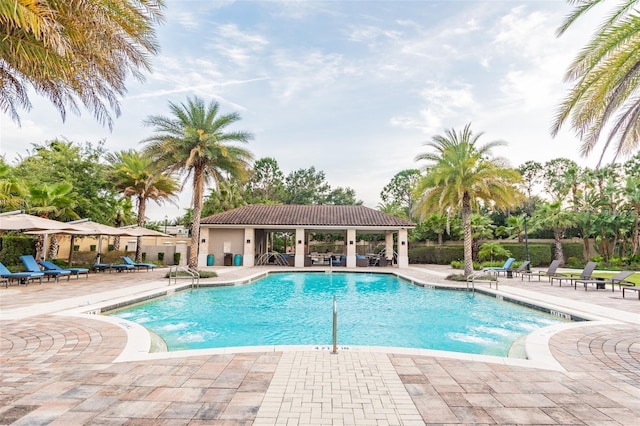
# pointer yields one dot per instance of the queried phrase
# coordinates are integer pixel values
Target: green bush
(176, 258)
(438, 255)
(160, 257)
(92, 247)
(14, 246)
(459, 264)
(493, 251)
(539, 254)
(572, 250)
(76, 247)
(144, 256)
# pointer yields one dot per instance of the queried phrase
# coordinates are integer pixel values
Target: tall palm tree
(74, 50)
(460, 176)
(196, 142)
(12, 191)
(606, 89)
(51, 201)
(137, 175)
(553, 216)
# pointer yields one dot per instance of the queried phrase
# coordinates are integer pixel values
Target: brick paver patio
(60, 369)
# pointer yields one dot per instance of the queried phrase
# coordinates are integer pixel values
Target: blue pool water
(373, 310)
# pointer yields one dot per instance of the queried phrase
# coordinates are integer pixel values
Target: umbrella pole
(99, 249)
(70, 260)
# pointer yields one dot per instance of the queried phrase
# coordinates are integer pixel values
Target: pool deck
(62, 368)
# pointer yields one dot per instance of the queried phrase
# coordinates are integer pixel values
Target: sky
(352, 88)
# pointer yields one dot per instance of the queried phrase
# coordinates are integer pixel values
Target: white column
(351, 248)
(388, 239)
(249, 247)
(181, 247)
(203, 247)
(299, 259)
(403, 249)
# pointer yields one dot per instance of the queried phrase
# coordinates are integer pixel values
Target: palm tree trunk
(635, 242)
(198, 191)
(468, 239)
(54, 247)
(142, 207)
(557, 241)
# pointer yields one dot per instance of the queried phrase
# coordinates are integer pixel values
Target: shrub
(438, 255)
(459, 264)
(14, 246)
(76, 247)
(110, 247)
(491, 251)
(176, 258)
(144, 256)
(92, 247)
(160, 257)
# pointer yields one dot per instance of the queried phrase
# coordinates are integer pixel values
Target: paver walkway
(58, 369)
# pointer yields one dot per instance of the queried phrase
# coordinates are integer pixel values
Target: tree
(532, 173)
(195, 142)
(64, 161)
(342, 197)
(306, 186)
(266, 183)
(605, 77)
(137, 175)
(401, 188)
(460, 175)
(554, 216)
(12, 192)
(53, 201)
(74, 50)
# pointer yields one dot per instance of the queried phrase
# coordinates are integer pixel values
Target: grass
(635, 278)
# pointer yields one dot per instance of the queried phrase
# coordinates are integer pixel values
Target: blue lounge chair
(21, 277)
(50, 266)
(31, 265)
(503, 268)
(127, 261)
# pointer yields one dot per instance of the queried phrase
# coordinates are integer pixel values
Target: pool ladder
(471, 279)
(335, 326)
(175, 273)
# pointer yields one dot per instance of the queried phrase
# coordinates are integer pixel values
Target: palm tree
(195, 142)
(460, 176)
(605, 73)
(51, 201)
(12, 191)
(553, 216)
(138, 175)
(74, 50)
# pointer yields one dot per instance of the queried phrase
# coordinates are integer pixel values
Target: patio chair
(600, 283)
(31, 265)
(50, 266)
(522, 269)
(504, 268)
(21, 277)
(550, 272)
(127, 261)
(584, 275)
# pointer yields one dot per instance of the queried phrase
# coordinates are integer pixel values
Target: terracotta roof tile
(297, 215)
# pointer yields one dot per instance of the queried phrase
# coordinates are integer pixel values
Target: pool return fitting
(335, 326)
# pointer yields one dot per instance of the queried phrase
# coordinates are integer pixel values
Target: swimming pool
(373, 310)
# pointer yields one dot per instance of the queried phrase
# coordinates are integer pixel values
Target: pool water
(373, 310)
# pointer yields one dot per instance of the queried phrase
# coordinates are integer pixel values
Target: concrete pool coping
(536, 344)
(60, 369)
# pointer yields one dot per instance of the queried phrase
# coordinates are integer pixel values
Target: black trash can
(228, 259)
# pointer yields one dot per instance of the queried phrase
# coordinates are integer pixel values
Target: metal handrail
(335, 326)
(472, 278)
(192, 273)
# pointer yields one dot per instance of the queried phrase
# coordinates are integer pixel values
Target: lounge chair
(21, 277)
(522, 269)
(362, 260)
(31, 265)
(504, 267)
(127, 261)
(584, 275)
(339, 261)
(619, 278)
(550, 272)
(50, 266)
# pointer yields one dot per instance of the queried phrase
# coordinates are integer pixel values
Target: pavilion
(245, 231)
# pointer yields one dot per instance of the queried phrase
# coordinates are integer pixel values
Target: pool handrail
(189, 273)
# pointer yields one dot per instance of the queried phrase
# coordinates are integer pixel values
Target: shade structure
(139, 231)
(28, 222)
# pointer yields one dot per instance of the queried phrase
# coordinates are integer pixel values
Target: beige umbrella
(13, 221)
(139, 231)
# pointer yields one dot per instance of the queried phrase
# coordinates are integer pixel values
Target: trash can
(228, 259)
(237, 260)
(209, 260)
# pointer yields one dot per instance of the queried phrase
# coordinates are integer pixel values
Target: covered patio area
(243, 235)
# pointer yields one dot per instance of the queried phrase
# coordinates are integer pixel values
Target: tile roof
(297, 215)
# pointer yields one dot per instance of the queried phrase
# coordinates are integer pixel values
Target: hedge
(540, 254)
(14, 246)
